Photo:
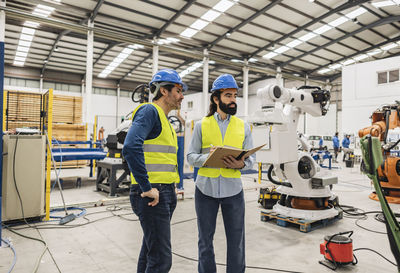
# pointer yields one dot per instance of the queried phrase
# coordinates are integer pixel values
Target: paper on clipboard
(215, 159)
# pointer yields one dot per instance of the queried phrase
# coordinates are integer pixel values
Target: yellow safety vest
(160, 153)
(211, 135)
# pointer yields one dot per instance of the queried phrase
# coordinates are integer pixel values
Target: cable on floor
(8, 243)
(376, 252)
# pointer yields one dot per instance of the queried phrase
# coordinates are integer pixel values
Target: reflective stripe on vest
(211, 135)
(160, 153)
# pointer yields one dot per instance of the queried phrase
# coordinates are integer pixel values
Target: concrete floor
(108, 243)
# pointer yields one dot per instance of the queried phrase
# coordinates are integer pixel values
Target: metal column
(117, 110)
(155, 64)
(246, 88)
(205, 81)
(89, 74)
(2, 31)
(41, 84)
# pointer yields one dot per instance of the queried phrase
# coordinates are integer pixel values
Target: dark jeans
(233, 215)
(155, 254)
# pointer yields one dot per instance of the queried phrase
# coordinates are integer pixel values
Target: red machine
(386, 120)
(337, 250)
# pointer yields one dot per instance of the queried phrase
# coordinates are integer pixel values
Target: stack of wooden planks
(23, 110)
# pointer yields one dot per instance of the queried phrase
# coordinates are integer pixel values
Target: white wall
(362, 95)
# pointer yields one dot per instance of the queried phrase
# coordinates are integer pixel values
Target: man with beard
(221, 187)
(150, 150)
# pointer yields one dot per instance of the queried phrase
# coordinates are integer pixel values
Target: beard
(227, 109)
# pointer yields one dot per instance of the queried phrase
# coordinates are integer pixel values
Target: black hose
(286, 184)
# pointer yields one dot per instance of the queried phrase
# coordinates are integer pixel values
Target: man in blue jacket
(150, 150)
(345, 145)
(336, 146)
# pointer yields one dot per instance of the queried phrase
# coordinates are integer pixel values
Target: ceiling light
(361, 57)
(270, 55)
(339, 21)
(56, 48)
(24, 43)
(20, 59)
(385, 3)
(252, 60)
(21, 54)
(43, 7)
(31, 24)
(236, 61)
(349, 61)
(189, 32)
(335, 66)
(323, 71)
(26, 37)
(282, 49)
(211, 62)
(389, 46)
(18, 63)
(210, 15)
(322, 29)
(307, 36)
(45, 61)
(199, 24)
(374, 52)
(356, 13)
(40, 12)
(22, 48)
(172, 40)
(223, 5)
(294, 43)
(27, 30)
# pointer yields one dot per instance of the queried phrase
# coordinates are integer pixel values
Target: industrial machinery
(305, 189)
(386, 126)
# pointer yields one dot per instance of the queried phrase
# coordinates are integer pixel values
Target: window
(388, 76)
(190, 105)
(382, 77)
(394, 75)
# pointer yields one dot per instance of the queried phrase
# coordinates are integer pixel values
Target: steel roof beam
(360, 52)
(252, 17)
(333, 11)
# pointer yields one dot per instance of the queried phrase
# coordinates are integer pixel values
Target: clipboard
(215, 159)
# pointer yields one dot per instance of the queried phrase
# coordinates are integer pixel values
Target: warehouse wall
(361, 93)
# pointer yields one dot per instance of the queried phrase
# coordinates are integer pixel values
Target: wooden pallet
(304, 225)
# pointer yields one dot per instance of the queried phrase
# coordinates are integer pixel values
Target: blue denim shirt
(146, 125)
(218, 187)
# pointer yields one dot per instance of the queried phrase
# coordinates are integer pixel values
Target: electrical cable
(376, 252)
(8, 243)
(35, 239)
(59, 169)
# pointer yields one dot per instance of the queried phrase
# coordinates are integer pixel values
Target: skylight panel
(339, 21)
(199, 24)
(117, 61)
(307, 36)
(335, 66)
(20, 59)
(27, 30)
(223, 5)
(294, 43)
(19, 63)
(385, 3)
(349, 61)
(210, 15)
(270, 55)
(374, 52)
(253, 60)
(21, 54)
(323, 71)
(361, 57)
(189, 32)
(389, 46)
(356, 13)
(23, 48)
(24, 43)
(322, 29)
(31, 24)
(281, 49)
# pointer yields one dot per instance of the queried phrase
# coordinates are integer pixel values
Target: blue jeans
(155, 254)
(233, 215)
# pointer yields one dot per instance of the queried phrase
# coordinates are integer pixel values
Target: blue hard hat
(223, 82)
(168, 75)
